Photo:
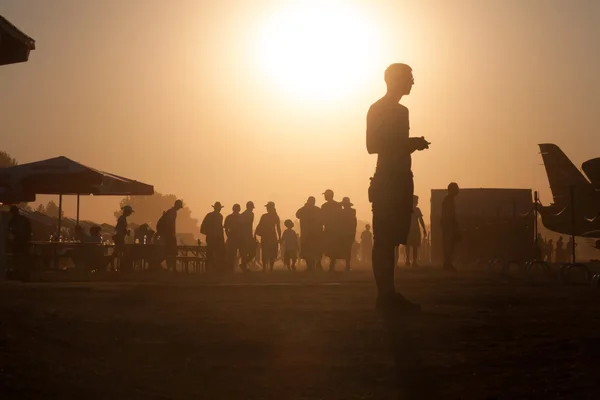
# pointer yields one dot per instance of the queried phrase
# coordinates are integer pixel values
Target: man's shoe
(396, 302)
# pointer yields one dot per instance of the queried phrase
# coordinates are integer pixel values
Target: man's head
(127, 210)
(399, 80)
(236, 208)
(453, 189)
(14, 211)
(250, 205)
(328, 194)
(270, 206)
(218, 206)
(178, 205)
(311, 201)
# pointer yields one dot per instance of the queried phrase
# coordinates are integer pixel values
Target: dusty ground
(481, 336)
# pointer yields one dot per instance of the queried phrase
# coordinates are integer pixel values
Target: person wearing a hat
(391, 189)
(311, 234)
(232, 228)
(290, 246)
(121, 232)
(247, 240)
(212, 228)
(332, 231)
(19, 228)
(348, 230)
(269, 230)
(166, 229)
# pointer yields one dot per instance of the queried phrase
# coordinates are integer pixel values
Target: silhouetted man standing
(248, 243)
(366, 244)
(391, 189)
(212, 228)
(19, 228)
(450, 231)
(121, 232)
(348, 224)
(232, 227)
(311, 233)
(168, 227)
(332, 239)
(269, 230)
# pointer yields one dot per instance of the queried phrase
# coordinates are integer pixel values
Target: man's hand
(419, 143)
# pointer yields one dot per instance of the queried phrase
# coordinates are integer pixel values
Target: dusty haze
(176, 94)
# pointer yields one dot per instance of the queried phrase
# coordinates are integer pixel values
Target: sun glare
(317, 51)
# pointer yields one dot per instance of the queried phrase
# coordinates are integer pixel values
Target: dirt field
(481, 336)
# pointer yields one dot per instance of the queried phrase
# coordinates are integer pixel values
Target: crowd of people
(329, 230)
(558, 252)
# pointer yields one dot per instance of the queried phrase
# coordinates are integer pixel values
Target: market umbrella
(14, 44)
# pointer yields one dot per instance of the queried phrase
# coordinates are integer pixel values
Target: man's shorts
(392, 200)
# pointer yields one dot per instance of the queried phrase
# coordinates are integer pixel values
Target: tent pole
(77, 208)
(59, 214)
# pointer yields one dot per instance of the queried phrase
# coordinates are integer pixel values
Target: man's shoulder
(384, 105)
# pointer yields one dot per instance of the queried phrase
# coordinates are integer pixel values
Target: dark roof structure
(15, 45)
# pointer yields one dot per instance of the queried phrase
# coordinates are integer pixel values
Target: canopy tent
(60, 176)
(14, 44)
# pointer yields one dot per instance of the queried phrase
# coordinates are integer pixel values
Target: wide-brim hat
(218, 205)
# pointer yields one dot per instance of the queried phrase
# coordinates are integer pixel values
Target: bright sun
(318, 51)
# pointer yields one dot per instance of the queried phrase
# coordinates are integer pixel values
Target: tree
(6, 160)
(148, 210)
(51, 210)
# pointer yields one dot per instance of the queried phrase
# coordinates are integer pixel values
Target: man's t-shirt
(387, 135)
(121, 227)
(233, 226)
(448, 212)
(366, 238)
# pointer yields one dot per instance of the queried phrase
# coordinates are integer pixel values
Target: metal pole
(572, 195)
(59, 214)
(78, 209)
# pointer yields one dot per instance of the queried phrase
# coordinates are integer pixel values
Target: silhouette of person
(168, 232)
(290, 246)
(449, 223)
(570, 249)
(247, 240)
(19, 227)
(232, 226)
(269, 230)
(391, 188)
(549, 251)
(121, 232)
(332, 238)
(212, 228)
(414, 235)
(348, 224)
(311, 233)
(366, 244)
(560, 250)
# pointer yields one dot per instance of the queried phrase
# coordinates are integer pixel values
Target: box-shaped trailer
(494, 223)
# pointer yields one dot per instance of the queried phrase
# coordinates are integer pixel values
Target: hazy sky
(266, 100)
